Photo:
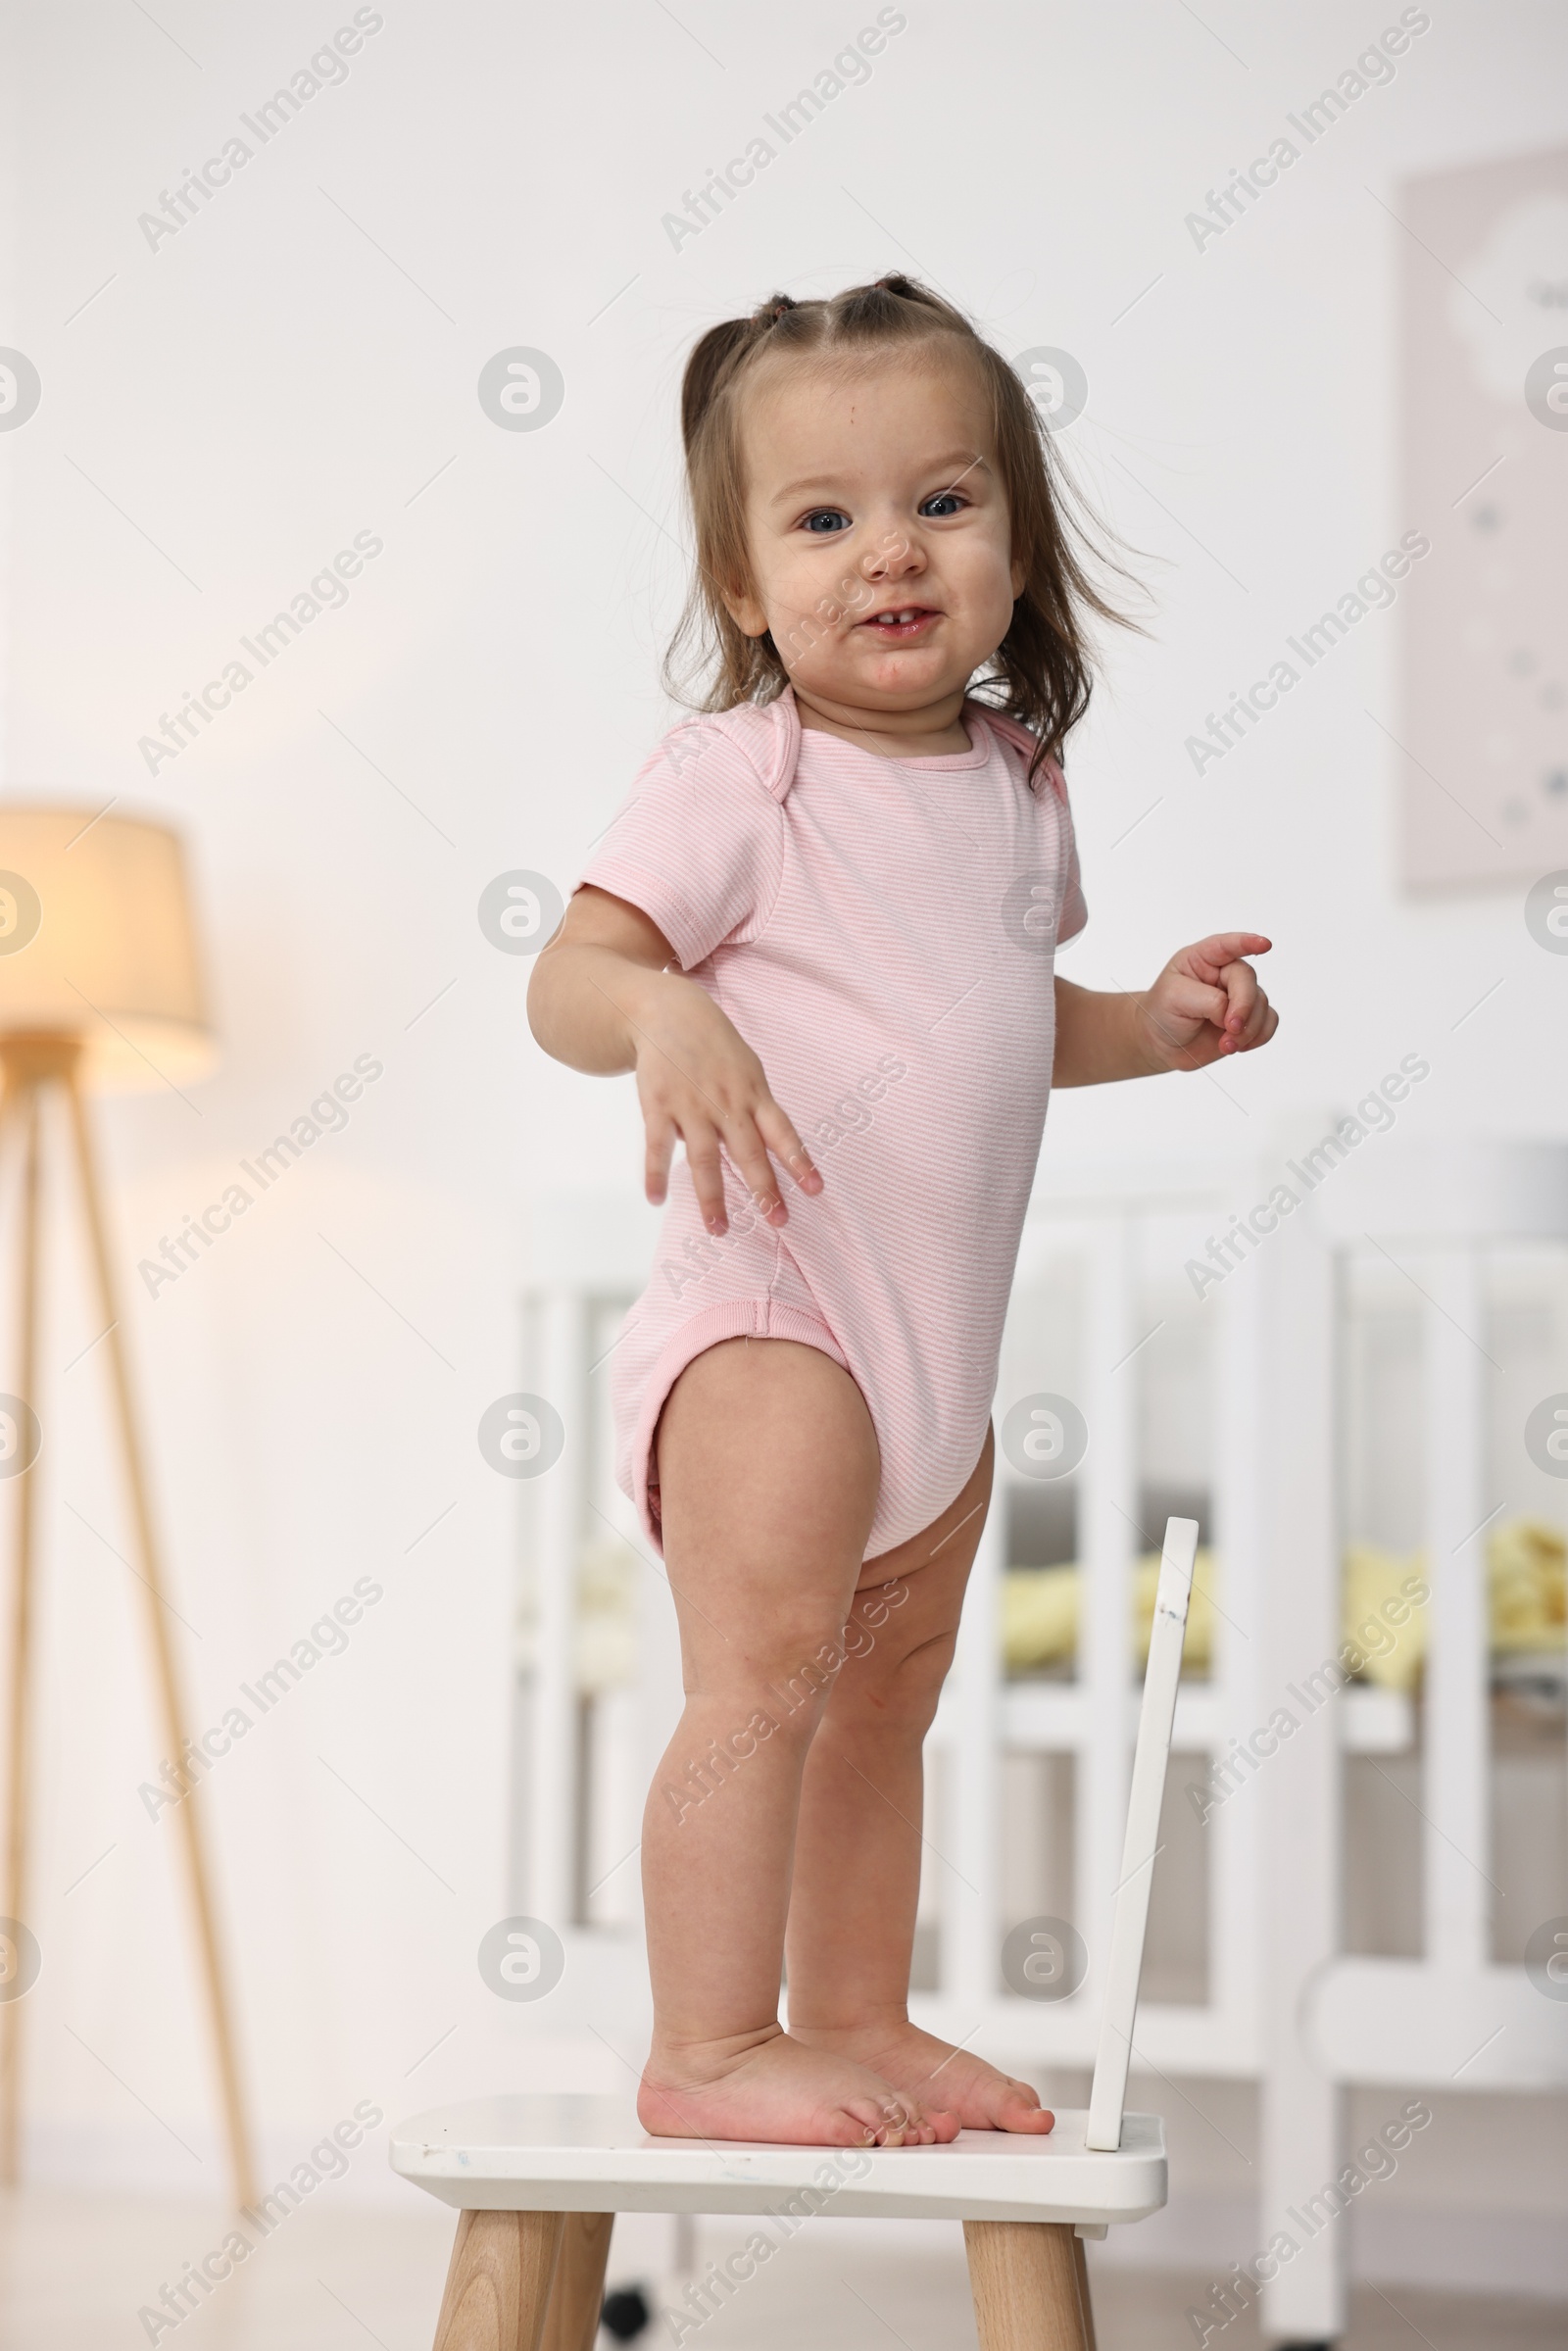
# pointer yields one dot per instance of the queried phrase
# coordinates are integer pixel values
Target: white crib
(1466, 1238)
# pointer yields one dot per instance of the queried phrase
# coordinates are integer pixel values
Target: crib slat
(552, 1793)
(1298, 1792)
(1456, 1759)
(1238, 1538)
(971, 1893)
(1108, 1534)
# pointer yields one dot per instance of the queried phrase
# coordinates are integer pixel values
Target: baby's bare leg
(858, 1853)
(768, 1471)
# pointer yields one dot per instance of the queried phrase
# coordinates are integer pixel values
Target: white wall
(298, 364)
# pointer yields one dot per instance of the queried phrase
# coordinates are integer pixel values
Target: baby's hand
(1206, 1002)
(698, 1078)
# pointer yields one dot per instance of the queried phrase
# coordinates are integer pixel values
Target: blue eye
(947, 501)
(824, 520)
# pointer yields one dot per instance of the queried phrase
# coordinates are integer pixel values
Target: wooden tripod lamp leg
(21, 1101)
(1025, 2279)
(498, 2287)
(151, 1572)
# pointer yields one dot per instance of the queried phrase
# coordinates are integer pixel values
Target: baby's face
(878, 530)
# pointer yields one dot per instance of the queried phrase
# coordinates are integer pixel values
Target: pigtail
(718, 355)
(711, 361)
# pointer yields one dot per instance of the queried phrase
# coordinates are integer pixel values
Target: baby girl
(821, 933)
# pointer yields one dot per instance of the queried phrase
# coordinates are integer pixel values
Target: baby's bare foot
(933, 2071)
(775, 2089)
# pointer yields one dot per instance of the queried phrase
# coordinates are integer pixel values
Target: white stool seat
(538, 2181)
(585, 2154)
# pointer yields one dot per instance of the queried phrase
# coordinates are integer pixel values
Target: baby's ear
(745, 610)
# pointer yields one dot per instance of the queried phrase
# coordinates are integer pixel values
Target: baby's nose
(893, 550)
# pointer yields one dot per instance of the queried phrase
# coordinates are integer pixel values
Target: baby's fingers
(1178, 1007)
(749, 1154)
(1242, 994)
(784, 1143)
(1188, 998)
(708, 1176)
(660, 1151)
(1223, 947)
(747, 1139)
(1259, 1026)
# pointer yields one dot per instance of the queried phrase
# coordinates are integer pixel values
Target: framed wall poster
(1484, 729)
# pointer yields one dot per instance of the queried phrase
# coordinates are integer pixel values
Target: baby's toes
(1015, 2106)
(930, 2125)
(877, 2123)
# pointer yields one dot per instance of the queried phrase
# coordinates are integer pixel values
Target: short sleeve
(699, 846)
(1074, 909)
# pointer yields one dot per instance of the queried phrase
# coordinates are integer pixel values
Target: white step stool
(538, 2181)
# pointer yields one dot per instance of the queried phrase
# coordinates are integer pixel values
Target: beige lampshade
(97, 941)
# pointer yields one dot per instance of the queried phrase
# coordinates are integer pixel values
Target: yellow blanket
(1527, 1580)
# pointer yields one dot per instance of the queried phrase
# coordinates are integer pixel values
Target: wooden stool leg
(579, 2288)
(1025, 2279)
(498, 2286)
(1086, 2307)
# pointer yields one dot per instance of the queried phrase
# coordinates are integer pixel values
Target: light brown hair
(1040, 672)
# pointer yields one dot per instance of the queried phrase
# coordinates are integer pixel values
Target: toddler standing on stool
(830, 910)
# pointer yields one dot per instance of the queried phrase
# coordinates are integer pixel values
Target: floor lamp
(99, 990)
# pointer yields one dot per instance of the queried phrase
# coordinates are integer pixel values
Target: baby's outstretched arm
(1205, 1004)
(608, 994)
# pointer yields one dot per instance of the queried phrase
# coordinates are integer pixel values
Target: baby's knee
(726, 1751)
(779, 1686)
(803, 1682)
(897, 1687)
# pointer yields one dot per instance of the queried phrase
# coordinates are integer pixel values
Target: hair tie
(771, 312)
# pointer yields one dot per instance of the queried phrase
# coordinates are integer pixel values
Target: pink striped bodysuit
(882, 933)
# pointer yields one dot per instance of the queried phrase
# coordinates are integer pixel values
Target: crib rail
(1284, 2003)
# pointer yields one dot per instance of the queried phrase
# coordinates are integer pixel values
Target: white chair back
(1150, 1758)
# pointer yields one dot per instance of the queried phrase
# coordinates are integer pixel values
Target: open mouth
(897, 626)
